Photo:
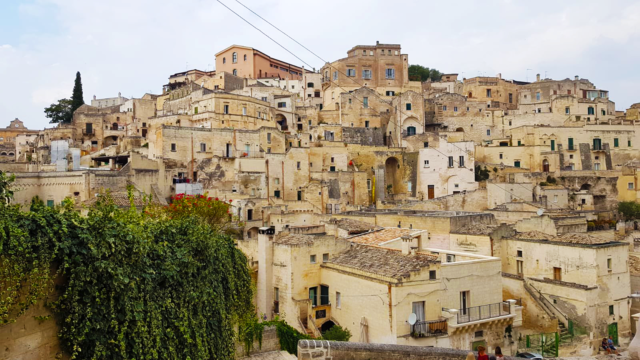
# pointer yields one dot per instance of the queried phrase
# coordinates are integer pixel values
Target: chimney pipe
(537, 77)
(499, 76)
(406, 244)
(577, 77)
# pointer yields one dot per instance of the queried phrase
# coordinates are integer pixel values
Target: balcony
(429, 328)
(483, 312)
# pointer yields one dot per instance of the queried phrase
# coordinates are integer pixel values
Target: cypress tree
(77, 98)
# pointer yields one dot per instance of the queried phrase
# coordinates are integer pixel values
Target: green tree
(60, 112)
(337, 333)
(629, 209)
(421, 73)
(5, 187)
(77, 99)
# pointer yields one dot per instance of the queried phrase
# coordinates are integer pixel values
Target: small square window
(519, 253)
(173, 147)
(426, 144)
(478, 334)
(432, 274)
(426, 163)
(312, 259)
(325, 257)
(630, 186)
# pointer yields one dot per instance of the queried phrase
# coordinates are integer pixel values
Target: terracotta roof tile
(378, 237)
(380, 261)
(570, 238)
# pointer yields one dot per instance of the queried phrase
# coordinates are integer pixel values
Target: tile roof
(570, 238)
(380, 261)
(285, 238)
(355, 226)
(378, 237)
(476, 229)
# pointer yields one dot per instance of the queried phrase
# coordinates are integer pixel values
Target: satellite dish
(412, 319)
(540, 212)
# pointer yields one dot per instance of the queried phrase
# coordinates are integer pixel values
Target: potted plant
(245, 154)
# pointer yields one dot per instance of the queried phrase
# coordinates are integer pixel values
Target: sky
(132, 46)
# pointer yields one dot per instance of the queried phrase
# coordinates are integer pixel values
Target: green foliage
(249, 331)
(551, 180)
(337, 333)
(59, 112)
(544, 183)
(591, 226)
(132, 286)
(481, 174)
(629, 209)
(77, 98)
(287, 335)
(421, 73)
(5, 187)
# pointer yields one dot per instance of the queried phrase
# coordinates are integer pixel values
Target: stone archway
(281, 120)
(392, 176)
(326, 326)
(110, 140)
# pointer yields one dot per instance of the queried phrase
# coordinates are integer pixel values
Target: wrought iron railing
(429, 328)
(483, 312)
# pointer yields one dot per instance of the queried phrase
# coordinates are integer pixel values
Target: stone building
(10, 137)
(252, 63)
(107, 102)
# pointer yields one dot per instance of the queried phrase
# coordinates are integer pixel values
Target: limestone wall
(29, 338)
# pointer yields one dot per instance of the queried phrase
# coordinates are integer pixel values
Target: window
(418, 309)
(567, 110)
(268, 138)
(444, 107)
(461, 161)
(555, 198)
(516, 163)
(366, 74)
(455, 109)
(338, 300)
(488, 93)
(538, 96)
(226, 109)
(519, 253)
(325, 257)
(298, 165)
(390, 74)
(450, 161)
(173, 147)
(570, 144)
(310, 85)
(50, 203)
(259, 114)
(451, 258)
(609, 264)
(364, 52)
(501, 155)
(264, 98)
(571, 156)
(426, 144)
(224, 60)
(520, 267)
(234, 57)
(351, 72)
(391, 93)
(365, 102)
(366, 123)
(332, 168)
(488, 132)
(282, 104)
(553, 145)
(629, 143)
(611, 310)
(335, 75)
(276, 181)
(244, 110)
(276, 194)
(615, 142)
(510, 98)
(630, 186)
(597, 144)
(557, 274)
(408, 106)
(519, 143)
(426, 163)
(369, 184)
(245, 57)
(313, 291)
(432, 274)
(203, 147)
(235, 72)
(596, 166)
(604, 112)
(590, 111)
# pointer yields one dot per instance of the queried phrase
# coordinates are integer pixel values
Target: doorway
(613, 332)
(545, 165)
(465, 298)
(313, 295)
(228, 150)
(431, 191)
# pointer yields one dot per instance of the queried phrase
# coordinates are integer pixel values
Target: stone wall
(334, 350)
(470, 201)
(363, 136)
(29, 338)
(270, 342)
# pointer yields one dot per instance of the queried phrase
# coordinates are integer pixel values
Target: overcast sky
(132, 46)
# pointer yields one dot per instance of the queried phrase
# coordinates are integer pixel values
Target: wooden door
(557, 273)
(431, 193)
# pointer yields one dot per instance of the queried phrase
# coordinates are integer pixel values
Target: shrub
(337, 333)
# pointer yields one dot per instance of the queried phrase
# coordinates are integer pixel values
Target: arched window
(224, 60)
(245, 57)
(234, 57)
(591, 111)
(235, 72)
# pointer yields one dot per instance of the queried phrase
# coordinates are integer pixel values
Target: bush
(544, 183)
(551, 180)
(337, 333)
(629, 209)
(591, 226)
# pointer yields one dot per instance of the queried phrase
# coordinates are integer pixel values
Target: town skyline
(39, 47)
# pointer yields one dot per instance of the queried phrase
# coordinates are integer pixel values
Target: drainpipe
(266, 163)
(282, 179)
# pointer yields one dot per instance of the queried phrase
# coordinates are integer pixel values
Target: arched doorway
(281, 120)
(252, 233)
(326, 326)
(110, 140)
(545, 165)
(392, 176)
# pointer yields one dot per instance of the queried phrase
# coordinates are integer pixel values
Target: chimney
(499, 76)
(377, 42)
(577, 77)
(406, 244)
(265, 270)
(94, 97)
(537, 77)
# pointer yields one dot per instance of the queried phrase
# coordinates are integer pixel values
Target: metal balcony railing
(429, 328)
(483, 312)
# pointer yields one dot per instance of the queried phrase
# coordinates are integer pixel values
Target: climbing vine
(132, 286)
